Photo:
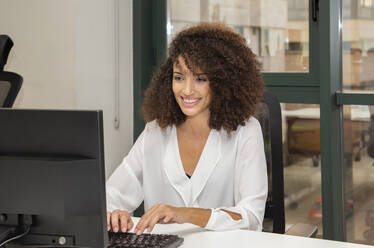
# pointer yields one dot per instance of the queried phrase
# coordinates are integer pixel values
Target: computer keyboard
(145, 240)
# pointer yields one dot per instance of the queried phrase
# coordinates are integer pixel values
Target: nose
(188, 86)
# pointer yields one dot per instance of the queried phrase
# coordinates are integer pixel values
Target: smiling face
(191, 90)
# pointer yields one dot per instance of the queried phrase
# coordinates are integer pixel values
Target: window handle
(315, 9)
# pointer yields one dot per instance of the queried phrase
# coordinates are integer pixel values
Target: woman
(200, 158)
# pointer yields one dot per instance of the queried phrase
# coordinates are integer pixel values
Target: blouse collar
(190, 189)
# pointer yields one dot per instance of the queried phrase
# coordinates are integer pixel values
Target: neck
(196, 126)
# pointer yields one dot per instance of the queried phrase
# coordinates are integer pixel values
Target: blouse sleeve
(251, 185)
(124, 188)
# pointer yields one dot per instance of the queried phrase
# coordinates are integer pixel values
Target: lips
(190, 102)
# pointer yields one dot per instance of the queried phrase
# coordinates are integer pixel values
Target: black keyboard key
(145, 240)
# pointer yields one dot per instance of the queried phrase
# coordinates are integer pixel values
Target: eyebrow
(179, 67)
(197, 74)
(201, 74)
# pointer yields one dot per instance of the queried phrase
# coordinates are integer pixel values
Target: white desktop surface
(195, 236)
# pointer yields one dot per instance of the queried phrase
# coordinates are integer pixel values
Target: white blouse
(231, 174)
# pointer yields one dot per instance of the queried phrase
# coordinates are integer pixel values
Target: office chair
(10, 83)
(269, 116)
(6, 44)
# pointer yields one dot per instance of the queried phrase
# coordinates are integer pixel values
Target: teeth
(190, 100)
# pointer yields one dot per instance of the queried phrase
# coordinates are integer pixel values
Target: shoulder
(251, 126)
(250, 130)
(153, 130)
(152, 126)
(155, 138)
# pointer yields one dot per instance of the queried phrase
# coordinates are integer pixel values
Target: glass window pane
(276, 30)
(358, 44)
(359, 173)
(302, 170)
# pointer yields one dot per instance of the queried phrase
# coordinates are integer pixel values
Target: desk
(198, 237)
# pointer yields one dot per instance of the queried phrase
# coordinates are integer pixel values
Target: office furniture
(195, 236)
(269, 116)
(6, 44)
(10, 82)
(303, 132)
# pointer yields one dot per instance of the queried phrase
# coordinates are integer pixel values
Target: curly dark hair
(233, 72)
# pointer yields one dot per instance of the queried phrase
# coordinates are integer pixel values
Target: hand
(119, 218)
(160, 213)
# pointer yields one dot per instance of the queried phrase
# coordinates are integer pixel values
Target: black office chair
(10, 83)
(269, 116)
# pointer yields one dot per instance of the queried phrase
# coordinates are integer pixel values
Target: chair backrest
(10, 83)
(269, 116)
(6, 44)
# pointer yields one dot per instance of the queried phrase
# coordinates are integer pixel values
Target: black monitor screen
(52, 177)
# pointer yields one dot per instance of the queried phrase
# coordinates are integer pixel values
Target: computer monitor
(52, 177)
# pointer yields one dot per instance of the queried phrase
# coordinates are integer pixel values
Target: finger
(114, 220)
(108, 215)
(144, 219)
(150, 211)
(144, 222)
(167, 219)
(153, 221)
(124, 219)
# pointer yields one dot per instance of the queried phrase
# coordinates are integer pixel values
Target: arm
(165, 214)
(124, 190)
(201, 216)
(250, 187)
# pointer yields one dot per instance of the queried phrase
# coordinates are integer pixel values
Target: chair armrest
(303, 230)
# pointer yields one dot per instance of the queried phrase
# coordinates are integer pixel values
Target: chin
(189, 113)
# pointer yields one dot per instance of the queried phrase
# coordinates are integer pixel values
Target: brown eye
(178, 78)
(202, 79)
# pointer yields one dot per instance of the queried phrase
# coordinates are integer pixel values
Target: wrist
(196, 216)
(184, 215)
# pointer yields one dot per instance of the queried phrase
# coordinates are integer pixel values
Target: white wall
(65, 51)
